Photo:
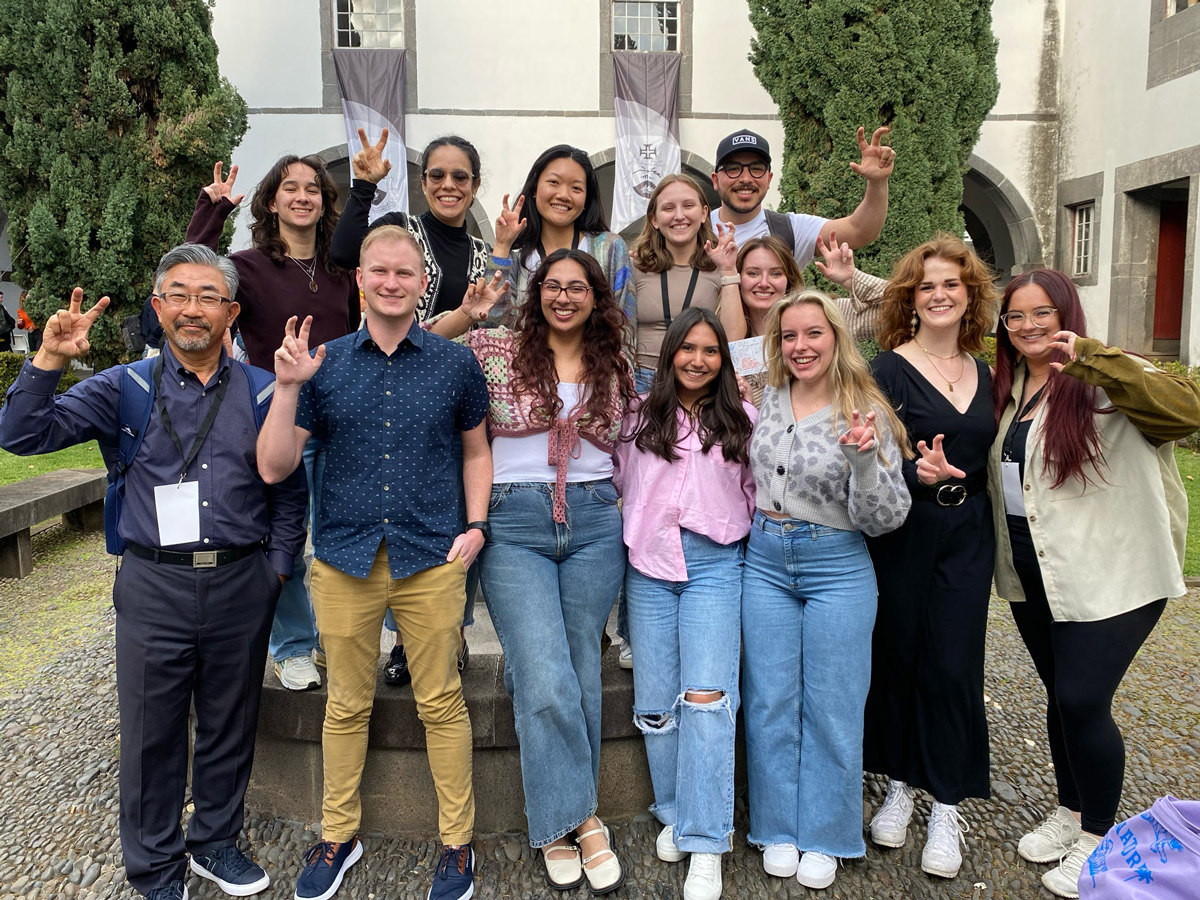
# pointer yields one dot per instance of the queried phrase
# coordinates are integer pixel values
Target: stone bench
(397, 791)
(75, 494)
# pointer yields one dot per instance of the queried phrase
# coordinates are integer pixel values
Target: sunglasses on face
(461, 177)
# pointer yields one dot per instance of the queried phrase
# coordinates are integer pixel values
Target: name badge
(1014, 498)
(178, 510)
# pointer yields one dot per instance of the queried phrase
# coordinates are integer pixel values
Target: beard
(192, 344)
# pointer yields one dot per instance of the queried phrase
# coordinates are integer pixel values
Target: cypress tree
(927, 69)
(111, 115)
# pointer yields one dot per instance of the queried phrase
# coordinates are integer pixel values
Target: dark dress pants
(187, 635)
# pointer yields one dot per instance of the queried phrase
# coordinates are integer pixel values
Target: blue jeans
(549, 589)
(808, 608)
(294, 630)
(686, 636)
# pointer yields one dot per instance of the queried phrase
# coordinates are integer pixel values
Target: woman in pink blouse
(683, 471)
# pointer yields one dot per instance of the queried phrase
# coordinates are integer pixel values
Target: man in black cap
(743, 175)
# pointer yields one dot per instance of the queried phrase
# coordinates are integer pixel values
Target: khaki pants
(428, 607)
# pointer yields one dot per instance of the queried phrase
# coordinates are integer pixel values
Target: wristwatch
(482, 526)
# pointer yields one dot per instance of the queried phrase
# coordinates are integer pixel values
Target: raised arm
(213, 206)
(861, 308)
(478, 301)
(369, 168)
(863, 225)
(281, 441)
(729, 303)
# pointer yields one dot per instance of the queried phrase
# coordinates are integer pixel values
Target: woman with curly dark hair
(684, 473)
(286, 273)
(1091, 519)
(559, 386)
(925, 722)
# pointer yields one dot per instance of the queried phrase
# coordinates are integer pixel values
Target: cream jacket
(1116, 543)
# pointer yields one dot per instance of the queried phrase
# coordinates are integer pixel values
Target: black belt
(948, 493)
(201, 559)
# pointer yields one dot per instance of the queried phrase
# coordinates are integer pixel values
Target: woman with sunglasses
(560, 385)
(1091, 519)
(559, 208)
(455, 262)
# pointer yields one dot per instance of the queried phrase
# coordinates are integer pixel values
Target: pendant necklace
(311, 272)
(962, 365)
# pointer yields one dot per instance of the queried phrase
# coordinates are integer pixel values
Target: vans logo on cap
(750, 139)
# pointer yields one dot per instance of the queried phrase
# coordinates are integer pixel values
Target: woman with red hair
(1085, 487)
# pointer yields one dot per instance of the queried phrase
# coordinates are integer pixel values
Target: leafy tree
(111, 113)
(927, 68)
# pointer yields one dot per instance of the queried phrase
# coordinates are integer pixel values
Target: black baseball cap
(743, 140)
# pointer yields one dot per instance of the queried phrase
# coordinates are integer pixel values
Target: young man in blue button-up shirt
(386, 402)
(208, 545)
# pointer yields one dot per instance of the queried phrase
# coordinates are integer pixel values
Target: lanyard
(205, 426)
(1016, 423)
(666, 294)
(574, 244)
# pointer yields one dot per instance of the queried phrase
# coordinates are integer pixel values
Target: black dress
(925, 720)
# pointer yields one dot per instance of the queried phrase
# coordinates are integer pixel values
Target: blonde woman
(827, 470)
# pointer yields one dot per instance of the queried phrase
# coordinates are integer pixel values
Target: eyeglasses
(757, 169)
(461, 177)
(1041, 317)
(575, 290)
(206, 301)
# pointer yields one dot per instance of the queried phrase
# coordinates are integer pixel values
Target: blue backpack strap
(133, 416)
(262, 387)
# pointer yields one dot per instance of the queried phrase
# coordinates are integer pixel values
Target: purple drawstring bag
(1152, 856)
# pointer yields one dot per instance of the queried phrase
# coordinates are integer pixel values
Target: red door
(1168, 290)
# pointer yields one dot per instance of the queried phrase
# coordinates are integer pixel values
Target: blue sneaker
(176, 890)
(326, 863)
(453, 879)
(229, 868)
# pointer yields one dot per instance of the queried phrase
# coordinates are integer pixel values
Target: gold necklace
(962, 365)
(310, 271)
(957, 355)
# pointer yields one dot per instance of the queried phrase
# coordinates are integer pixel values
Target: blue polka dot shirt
(388, 424)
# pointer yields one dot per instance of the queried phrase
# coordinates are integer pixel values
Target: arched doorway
(999, 221)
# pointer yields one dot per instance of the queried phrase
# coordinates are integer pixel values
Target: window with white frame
(640, 25)
(1082, 256)
(1178, 6)
(368, 23)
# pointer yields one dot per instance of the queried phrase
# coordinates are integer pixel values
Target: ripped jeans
(686, 637)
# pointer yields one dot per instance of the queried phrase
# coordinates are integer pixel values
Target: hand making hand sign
(65, 336)
(294, 365)
(223, 188)
(932, 467)
(877, 160)
(861, 432)
(368, 163)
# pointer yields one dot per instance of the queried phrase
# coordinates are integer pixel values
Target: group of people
(557, 419)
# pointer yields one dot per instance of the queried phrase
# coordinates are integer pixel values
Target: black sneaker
(229, 868)
(396, 671)
(464, 656)
(453, 878)
(176, 890)
(325, 865)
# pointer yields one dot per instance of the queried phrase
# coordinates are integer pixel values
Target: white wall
(537, 54)
(722, 78)
(270, 50)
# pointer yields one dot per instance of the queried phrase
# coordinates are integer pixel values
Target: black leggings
(1081, 664)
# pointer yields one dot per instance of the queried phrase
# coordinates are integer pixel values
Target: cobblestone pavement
(59, 746)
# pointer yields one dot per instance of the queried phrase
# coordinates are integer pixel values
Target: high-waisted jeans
(686, 637)
(808, 608)
(549, 588)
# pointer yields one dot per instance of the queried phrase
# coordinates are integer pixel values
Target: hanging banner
(372, 87)
(647, 107)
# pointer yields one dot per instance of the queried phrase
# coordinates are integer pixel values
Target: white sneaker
(1063, 880)
(1052, 840)
(780, 860)
(889, 828)
(703, 877)
(298, 673)
(664, 846)
(816, 870)
(941, 855)
(625, 659)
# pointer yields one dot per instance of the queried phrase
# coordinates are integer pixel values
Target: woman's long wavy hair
(1072, 441)
(720, 419)
(649, 251)
(606, 370)
(898, 309)
(264, 229)
(851, 382)
(591, 219)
